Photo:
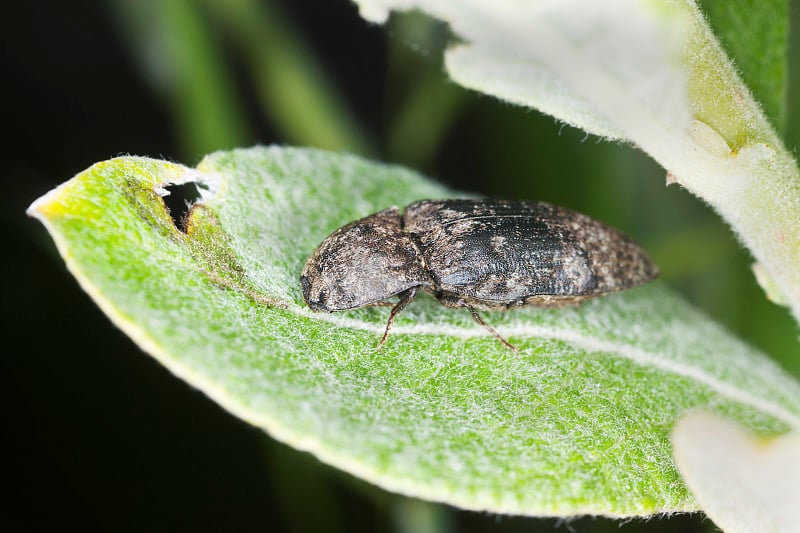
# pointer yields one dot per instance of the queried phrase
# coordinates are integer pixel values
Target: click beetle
(479, 254)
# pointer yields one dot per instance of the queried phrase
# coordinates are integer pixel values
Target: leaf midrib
(583, 343)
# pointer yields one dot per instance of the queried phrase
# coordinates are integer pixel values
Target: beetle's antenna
(405, 298)
(479, 320)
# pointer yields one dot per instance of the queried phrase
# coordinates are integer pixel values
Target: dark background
(100, 437)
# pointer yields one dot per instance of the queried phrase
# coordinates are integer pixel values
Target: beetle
(488, 255)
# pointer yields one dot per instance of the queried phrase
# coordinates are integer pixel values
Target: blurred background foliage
(99, 436)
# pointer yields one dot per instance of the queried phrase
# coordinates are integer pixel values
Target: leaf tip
(49, 204)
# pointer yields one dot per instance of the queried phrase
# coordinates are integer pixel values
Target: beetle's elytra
(479, 254)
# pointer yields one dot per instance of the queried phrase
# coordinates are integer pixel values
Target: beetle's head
(364, 262)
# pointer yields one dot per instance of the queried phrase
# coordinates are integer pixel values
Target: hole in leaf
(180, 200)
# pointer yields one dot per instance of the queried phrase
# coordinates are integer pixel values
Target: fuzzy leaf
(577, 422)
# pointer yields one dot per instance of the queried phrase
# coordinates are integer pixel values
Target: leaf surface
(577, 422)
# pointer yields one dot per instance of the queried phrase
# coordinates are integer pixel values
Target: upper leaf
(577, 422)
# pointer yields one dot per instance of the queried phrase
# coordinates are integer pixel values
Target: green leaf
(756, 36)
(577, 422)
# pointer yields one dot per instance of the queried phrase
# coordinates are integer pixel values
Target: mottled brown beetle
(480, 254)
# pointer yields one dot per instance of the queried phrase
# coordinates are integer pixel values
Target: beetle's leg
(477, 318)
(405, 298)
